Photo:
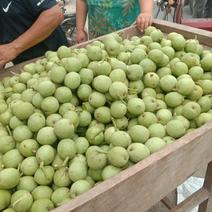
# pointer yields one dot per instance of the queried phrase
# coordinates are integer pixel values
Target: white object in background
(187, 188)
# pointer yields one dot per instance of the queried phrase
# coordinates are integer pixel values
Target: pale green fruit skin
(21, 133)
(59, 195)
(173, 99)
(185, 86)
(120, 138)
(139, 134)
(21, 201)
(118, 109)
(96, 175)
(102, 83)
(191, 110)
(96, 158)
(196, 94)
(155, 144)
(44, 176)
(64, 129)
(42, 205)
(29, 166)
(6, 143)
(148, 65)
(164, 116)
(77, 171)
(150, 104)
(136, 106)
(46, 135)
(147, 118)
(79, 187)
(36, 121)
(179, 68)
(82, 145)
(42, 192)
(196, 72)
(95, 135)
(203, 118)
(168, 139)
(66, 149)
(86, 76)
(168, 83)
(63, 94)
(61, 177)
(206, 86)
(50, 105)
(110, 171)
(57, 74)
(12, 158)
(184, 120)
(149, 92)
(102, 114)
(118, 90)
(63, 52)
(5, 198)
(178, 42)
(205, 103)
(157, 130)
(137, 152)
(45, 154)
(206, 62)
(134, 72)
(72, 80)
(175, 128)
(22, 110)
(27, 183)
(97, 99)
(46, 88)
(71, 64)
(118, 156)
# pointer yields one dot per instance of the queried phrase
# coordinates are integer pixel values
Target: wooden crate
(141, 186)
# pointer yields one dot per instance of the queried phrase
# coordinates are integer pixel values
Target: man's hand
(144, 20)
(81, 36)
(7, 53)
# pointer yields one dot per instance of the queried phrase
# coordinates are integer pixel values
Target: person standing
(105, 16)
(28, 28)
(202, 8)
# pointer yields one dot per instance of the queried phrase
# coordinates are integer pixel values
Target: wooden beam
(192, 201)
(206, 206)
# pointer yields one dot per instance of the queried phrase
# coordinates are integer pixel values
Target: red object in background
(200, 23)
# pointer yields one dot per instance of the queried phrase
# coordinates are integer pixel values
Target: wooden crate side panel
(144, 184)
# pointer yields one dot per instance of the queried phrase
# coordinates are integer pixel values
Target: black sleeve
(38, 6)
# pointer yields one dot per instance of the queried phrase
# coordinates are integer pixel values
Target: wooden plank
(206, 206)
(194, 200)
(142, 185)
(203, 36)
(169, 204)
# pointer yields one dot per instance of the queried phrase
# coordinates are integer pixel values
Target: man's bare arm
(46, 23)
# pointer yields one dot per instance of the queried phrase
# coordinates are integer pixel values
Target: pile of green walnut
(78, 117)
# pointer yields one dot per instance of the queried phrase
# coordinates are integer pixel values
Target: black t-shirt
(17, 16)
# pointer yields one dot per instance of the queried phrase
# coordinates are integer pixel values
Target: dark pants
(208, 9)
(202, 8)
